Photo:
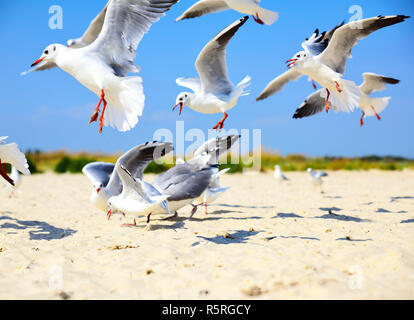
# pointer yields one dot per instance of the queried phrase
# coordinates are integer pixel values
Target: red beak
(97, 190)
(181, 107)
(291, 62)
(109, 214)
(37, 62)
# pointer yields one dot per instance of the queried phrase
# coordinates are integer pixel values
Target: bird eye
(46, 52)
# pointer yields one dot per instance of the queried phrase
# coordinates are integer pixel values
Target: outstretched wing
(99, 172)
(211, 62)
(10, 153)
(215, 147)
(126, 22)
(344, 38)
(317, 43)
(374, 82)
(191, 83)
(278, 83)
(203, 7)
(313, 104)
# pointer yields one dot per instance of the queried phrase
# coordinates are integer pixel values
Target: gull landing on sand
(213, 91)
(251, 7)
(324, 61)
(369, 106)
(103, 65)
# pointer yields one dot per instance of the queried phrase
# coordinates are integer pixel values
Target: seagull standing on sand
(279, 174)
(316, 177)
(324, 61)
(10, 153)
(370, 106)
(108, 183)
(137, 196)
(213, 91)
(103, 65)
(251, 7)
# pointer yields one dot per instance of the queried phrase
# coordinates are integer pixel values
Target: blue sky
(50, 110)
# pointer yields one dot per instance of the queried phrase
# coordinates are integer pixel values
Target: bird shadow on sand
(42, 230)
(209, 218)
(293, 237)
(333, 197)
(287, 215)
(395, 199)
(408, 221)
(381, 210)
(240, 236)
(342, 217)
(353, 240)
(330, 209)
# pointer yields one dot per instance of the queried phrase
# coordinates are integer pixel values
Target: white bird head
(310, 170)
(182, 100)
(49, 54)
(98, 187)
(297, 59)
(112, 205)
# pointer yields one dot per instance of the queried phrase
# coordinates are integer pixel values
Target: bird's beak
(37, 62)
(109, 214)
(181, 107)
(97, 190)
(291, 62)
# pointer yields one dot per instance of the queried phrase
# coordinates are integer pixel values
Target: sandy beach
(262, 240)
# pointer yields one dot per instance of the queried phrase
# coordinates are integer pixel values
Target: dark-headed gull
(103, 65)
(106, 179)
(278, 174)
(328, 66)
(213, 91)
(251, 7)
(214, 148)
(370, 106)
(10, 153)
(138, 197)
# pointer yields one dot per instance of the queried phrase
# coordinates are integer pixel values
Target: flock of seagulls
(103, 57)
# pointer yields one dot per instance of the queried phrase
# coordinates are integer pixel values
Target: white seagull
(108, 183)
(251, 7)
(103, 65)
(10, 153)
(324, 61)
(215, 147)
(370, 106)
(278, 174)
(213, 91)
(316, 177)
(138, 197)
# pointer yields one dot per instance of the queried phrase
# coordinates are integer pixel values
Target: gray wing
(93, 30)
(125, 24)
(99, 172)
(216, 148)
(136, 159)
(278, 83)
(129, 183)
(312, 105)
(203, 7)
(211, 62)
(344, 38)
(374, 82)
(183, 182)
(317, 43)
(151, 192)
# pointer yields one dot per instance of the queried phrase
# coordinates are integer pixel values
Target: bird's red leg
(314, 85)
(95, 115)
(205, 206)
(362, 119)
(101, 119)
(376, 114)
(257, 19)
(327, 101)
(338, 87)
(3, 173)
(220, 124)
(130, 224)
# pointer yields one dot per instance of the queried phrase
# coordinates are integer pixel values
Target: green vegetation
(62, 162)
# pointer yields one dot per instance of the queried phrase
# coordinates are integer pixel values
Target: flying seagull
(324, 61)
(369, 106)
(213, 91)
(10, 153)
(251, 7)
(103, 65)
